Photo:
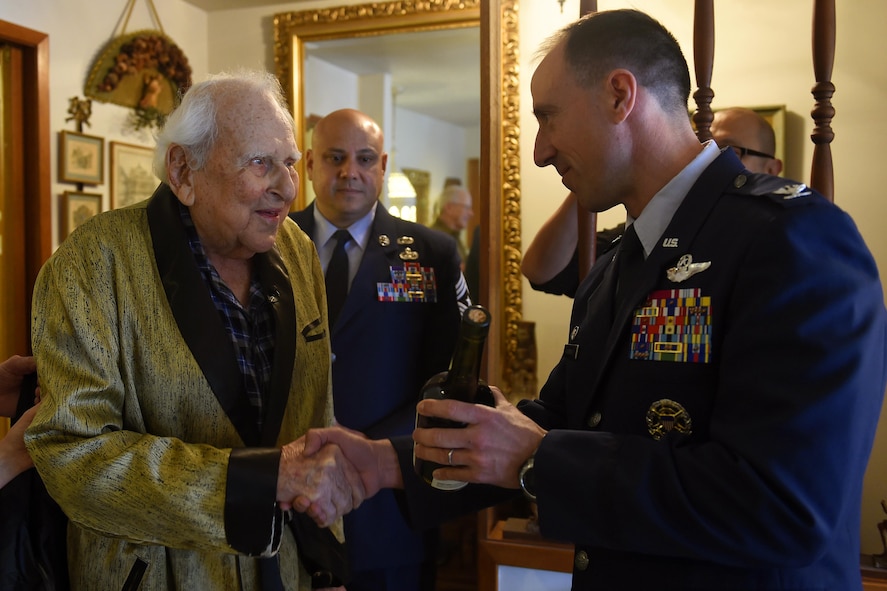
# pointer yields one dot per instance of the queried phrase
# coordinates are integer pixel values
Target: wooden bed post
(586, 241)
(703, 58)
(822, 175)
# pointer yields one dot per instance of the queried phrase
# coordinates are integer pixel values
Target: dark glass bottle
(462, 382)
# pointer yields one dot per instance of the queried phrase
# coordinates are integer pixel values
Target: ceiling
(436, 73)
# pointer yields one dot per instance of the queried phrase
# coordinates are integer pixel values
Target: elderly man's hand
(326, 480)
(374, 460)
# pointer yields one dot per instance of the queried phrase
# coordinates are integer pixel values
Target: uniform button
(581, 560)
(594, 420)
(739, 181)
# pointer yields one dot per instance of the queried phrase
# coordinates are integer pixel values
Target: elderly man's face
(459, 212)
(243, 194)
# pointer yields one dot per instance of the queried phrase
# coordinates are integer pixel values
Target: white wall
(78, 31)
(430, 144)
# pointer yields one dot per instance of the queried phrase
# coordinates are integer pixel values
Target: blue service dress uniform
(384, 350)
(716, 433)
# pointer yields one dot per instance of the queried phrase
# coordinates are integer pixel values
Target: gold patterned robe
(140, 437)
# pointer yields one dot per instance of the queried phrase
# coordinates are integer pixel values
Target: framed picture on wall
(132, 176)
(81, 158)
(77, 207)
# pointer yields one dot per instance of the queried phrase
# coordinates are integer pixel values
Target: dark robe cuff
(253, 520)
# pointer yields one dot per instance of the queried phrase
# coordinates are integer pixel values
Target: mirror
(499, 194)
(430, 115)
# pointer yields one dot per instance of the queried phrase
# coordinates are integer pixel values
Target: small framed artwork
(81, 158)
(79, 207)
(132, 176)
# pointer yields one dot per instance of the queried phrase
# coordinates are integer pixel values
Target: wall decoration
(77, 208)
(145, 71)
(132, 176)
(81, 158)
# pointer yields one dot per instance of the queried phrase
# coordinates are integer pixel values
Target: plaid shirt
(251, 329)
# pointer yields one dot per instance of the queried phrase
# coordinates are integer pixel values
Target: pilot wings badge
(686, 268)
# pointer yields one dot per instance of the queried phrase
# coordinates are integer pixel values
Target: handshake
(330, 472)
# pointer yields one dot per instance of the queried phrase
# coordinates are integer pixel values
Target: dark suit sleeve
(770, 479)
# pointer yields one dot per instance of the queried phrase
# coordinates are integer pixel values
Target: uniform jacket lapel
(684, 226)
(377, 260)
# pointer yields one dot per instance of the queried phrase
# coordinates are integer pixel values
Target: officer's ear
(622, 91)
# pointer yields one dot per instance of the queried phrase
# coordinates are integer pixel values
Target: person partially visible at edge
(14, 458)
(183, 352)
(376, 388)
(551, 261)
(32, 527)
(455, 212)
(708, 427)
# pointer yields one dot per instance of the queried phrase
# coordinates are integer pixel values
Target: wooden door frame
(36, 149)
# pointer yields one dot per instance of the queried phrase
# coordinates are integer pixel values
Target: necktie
(629, 262)
(337, 276)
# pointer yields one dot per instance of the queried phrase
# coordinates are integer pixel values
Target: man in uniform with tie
(395, 294)
(709, 426)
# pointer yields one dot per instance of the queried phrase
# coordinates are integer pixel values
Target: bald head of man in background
(750, 135)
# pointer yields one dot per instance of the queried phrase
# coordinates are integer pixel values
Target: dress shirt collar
(359, 230)
(653, 221)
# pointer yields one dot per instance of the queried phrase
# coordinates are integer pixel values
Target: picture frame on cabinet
(132, 174)
(77, 208)
(81, 158)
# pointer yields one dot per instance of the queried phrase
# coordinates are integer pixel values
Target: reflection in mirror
(303, 35)
(430, 115)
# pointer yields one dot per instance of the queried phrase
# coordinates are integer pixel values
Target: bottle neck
(466, 361)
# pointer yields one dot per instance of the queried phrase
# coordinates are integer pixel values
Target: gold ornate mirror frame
(500, 132)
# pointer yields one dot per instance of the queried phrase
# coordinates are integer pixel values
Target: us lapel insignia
(686, 268)
(405, 240)
(408, 254)
(793, 191)
(667, 415)
(384, 240)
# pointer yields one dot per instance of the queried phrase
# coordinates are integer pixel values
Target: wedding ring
(450, 457)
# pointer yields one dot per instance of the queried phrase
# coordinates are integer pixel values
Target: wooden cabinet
(873, 579)
(504, 541)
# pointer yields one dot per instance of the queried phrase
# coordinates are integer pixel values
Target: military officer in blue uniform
(396, 328)
(710, 421)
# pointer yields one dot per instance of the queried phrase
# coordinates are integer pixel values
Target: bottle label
(448, 485)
